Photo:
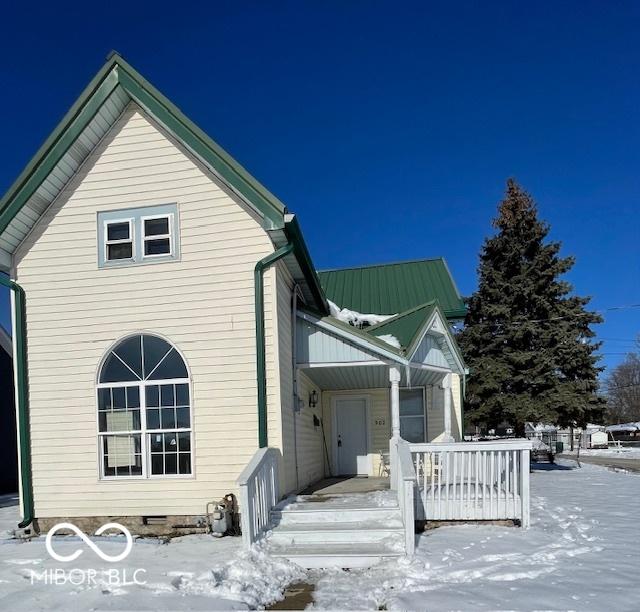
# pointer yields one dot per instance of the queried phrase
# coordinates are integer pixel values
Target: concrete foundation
(167, 526)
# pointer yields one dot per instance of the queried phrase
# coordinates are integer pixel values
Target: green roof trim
(294, 234)
(405, 325)
(117, 71)
(394, 288)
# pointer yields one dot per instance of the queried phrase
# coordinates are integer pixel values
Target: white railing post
(258, 493)
(524, 490)
(406, 481)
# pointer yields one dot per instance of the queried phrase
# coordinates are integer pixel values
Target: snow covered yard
(195, 572)
(581, 553)
(612, 451)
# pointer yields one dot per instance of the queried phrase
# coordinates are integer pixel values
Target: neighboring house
(625, 432)
(179, 337)
(592, 436)
(9, 447)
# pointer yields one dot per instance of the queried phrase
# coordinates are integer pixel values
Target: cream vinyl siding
(301, 440)
(312, 464)
(202, 303)
(435, 413)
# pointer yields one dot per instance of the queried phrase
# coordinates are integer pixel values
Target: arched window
(144, 410)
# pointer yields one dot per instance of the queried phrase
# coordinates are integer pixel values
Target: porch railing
(259, 493)
(472, 481)
(405, 484)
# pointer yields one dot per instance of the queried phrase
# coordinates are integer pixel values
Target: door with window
(352, 452)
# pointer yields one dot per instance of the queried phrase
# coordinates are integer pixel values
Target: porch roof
(336, 355)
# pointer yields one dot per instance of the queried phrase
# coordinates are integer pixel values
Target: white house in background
(181, 344)
(592, 436)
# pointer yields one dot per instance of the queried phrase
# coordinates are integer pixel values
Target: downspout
(20, 368)
(261, 366)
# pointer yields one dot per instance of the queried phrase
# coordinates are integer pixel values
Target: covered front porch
(367, 391)
(376, 445)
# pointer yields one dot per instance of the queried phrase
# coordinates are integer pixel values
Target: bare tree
(623, 389)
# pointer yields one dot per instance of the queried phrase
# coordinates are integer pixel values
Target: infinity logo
(89, 543)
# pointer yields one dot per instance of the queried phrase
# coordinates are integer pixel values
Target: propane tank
(220, 519)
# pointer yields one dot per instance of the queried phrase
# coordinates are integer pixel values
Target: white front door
(351, 436)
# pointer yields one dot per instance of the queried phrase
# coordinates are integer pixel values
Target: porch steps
(331, 531)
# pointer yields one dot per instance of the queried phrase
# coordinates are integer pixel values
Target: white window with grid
(157, 236)
(119, 240)
(144, 411)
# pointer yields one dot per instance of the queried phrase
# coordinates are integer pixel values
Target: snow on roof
(389, 339)
(355, 318)
(625, 427)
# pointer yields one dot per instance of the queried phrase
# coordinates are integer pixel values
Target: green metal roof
(404, 326)
(394, 288)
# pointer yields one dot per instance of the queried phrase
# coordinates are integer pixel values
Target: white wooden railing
(259, 493)
(405, 482)
(472, 480)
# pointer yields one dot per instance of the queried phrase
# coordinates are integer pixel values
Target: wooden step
(338, 533)
(349, 555)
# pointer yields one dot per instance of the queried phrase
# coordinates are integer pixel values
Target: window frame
(136, 218)
(415, 416)
(144, 432)
(145, 238)
(107, 242)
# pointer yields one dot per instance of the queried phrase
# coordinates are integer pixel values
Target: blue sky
(388, 127)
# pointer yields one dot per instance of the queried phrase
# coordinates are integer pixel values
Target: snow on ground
(581, 553)
(631, 452)
(195, 572)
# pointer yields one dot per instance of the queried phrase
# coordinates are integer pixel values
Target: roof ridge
(382, 265)
(400, 315)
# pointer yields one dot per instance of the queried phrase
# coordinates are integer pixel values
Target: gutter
(20, 369)
(261, 367)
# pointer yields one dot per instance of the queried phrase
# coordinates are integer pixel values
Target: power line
(571, 316)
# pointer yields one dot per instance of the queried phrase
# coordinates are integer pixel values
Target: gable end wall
(203, 304)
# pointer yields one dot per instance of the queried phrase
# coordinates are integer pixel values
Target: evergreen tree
(527, 339)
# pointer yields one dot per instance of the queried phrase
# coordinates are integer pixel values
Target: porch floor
(346, 485)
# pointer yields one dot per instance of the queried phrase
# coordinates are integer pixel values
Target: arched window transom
(144, 410)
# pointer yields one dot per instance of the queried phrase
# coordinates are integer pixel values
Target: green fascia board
(394, 287)
(355, 331)
(117, 71)
(57, 144)
(405, 325)
(294, 234)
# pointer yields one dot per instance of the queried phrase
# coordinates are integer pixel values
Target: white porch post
(446, 385)
(394, 378)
